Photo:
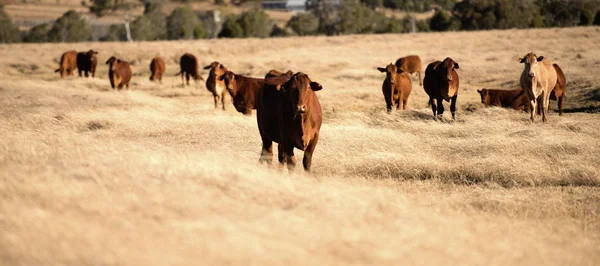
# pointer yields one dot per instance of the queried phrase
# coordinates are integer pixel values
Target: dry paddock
(156, 176)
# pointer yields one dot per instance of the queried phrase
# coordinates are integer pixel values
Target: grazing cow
(215, 84)
(86, 62)
(538, 80)
(157, 68)
(289, 113)
(189, 66)
(411, 64)
(516, 99)
(441, 83)
(68, 64)
(119, 73)
(275, 73)
(243, 91)
(396, 87)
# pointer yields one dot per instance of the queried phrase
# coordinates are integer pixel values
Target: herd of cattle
(288, 110)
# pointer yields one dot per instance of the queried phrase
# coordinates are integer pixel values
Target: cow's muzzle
(531, 74)
(301, 108)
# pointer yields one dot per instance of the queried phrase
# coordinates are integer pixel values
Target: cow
(86, 63)
(157, 68)
(119, 73)
(189, 66)
(538, 80)
(411, 64)
(276, 73)
(516, 99)
(68, 64)
(441, 83)
(215, 84)
(243, 91)
(289, 113)
(396, 87)
(560, 89)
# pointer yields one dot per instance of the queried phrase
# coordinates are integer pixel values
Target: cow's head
(446, 67)
(91, 53)
(239, 102)
(485, 96)
(390, 70)
(531, 62)
(300, 89)
(215, 65)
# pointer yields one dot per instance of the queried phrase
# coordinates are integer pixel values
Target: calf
(396, 87)
(68, 64)
(516, 99)
(441, 83)
(189, 66)
(243, 91)
(215, 84)
(157, 68)
(86, 62)
(411, 64)
(289, 113)
(538, 79)
(119, 73)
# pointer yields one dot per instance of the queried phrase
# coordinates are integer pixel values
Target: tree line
(323, 17)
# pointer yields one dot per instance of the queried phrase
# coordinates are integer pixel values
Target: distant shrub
(210, 26)
(277, 31)
(597, 18)
(304, 24)
(231, 28)
(38, 33)
(443, 21)
(70, 28)
(252, 23)
(150, 26)
(9, 33)
(183, 23)
(116, 32)
(356, 17)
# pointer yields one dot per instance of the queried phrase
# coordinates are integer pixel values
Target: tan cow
(68, 64)
(214, 82)
(538, 80)
(411, 64)
(396, 87)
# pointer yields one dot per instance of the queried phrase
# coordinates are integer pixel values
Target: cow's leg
(546, 103)
(420, 79)
(223, 99)
(560, 104)
(187, 78)
(216, 97)
(440, 108)
(79, 71)
(533, 109)
(288, 154)
(398, 102)
(453, 106)
(307, 160)
(182, 82)
(404, 104)
(388, 104)
(266, 154)
(433, 106)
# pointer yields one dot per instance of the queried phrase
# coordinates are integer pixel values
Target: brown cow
(68, 64)
(119, 73)
(441, 83)
(86, 62)
(289, 113)
(411, 64)
(215, 84)
(189, 66)
(396, 87)
(276, 73)
(157, 68)
(516, 99)
(560, 89)
(243, 91)
(538, 80)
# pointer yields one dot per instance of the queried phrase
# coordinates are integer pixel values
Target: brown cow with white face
(396, 87)
(411, 64)
(538, 80)
(441, 83)
(215, 84)
(243, 90)
(289, 113)
(68, 64)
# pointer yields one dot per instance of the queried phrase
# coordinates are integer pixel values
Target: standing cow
(289, 113)
(119, 73)
(189, 66)
(411, 64)
(441, 83)
(243, 91)
(538, 80)
(396, 87)
(87, 62)
(215, 84)
(157, 68)
(68, 64)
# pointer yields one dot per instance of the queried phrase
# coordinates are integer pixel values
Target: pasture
(155, 175)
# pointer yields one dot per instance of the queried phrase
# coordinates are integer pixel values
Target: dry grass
(156, 176)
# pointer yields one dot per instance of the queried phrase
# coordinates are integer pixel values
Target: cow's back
(410, 63)
(431, 80)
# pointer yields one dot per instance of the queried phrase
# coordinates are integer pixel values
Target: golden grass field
(156, 176)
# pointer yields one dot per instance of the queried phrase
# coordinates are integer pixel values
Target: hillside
(155, 175)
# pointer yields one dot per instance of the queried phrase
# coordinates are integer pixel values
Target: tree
(304, 24)
(9, 33)
(183, 23)
(597, 18)
(69, 28)
(231, 28)
(150, 26)
(38, 33)
(256, 23)
(443, 21)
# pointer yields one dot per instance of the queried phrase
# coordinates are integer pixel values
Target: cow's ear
(479, 91)
(381, 69)
(222, 66)
(455, 65)
(207, 67)
(521, 60)
(95, 52)
(315, 86)
(540, 58)
(282, 87)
